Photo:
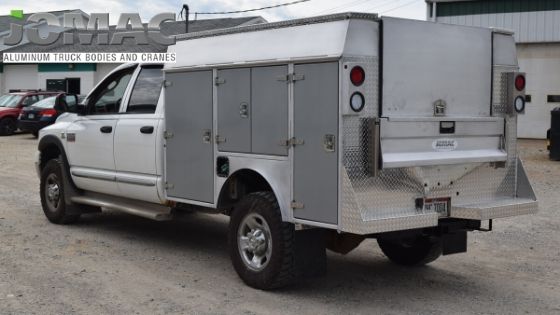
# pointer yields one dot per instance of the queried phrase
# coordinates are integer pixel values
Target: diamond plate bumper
(500, 209)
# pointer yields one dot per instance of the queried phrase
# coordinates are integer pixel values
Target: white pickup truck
(310, 134)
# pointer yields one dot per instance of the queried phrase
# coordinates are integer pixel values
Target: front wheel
(411, 251)
(8, 126)
(52, 194)
(261, 245)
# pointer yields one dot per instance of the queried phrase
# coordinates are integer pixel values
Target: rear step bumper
(499, 209)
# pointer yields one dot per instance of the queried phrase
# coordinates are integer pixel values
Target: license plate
(31, 116)
(438, 205)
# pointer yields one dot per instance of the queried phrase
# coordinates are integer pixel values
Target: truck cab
(399, 130)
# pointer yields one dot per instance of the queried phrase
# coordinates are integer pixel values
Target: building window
(553, 98)
(528, 98)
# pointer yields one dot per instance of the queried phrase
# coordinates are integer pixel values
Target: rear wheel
(52, 194)
(411, 251)
(7, 126)
(261, 246)
(35, 134)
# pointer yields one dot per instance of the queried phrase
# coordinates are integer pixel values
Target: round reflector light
(357, 76)
(357, 102)
(519, 104)
(520, 82)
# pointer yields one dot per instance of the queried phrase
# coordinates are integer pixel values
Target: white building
(81, 78)
(536, 24)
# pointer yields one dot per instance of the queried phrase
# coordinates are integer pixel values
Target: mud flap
(454, 242)
(311, 256)
(70, 189)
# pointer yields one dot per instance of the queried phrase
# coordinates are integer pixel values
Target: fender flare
(71, 188)
(284, 207)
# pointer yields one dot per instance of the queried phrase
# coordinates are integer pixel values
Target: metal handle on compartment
(244, 110)
(329, 143)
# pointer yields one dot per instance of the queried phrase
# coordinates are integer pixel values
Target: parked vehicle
(45, 112)
(327, 131)
(11, 106)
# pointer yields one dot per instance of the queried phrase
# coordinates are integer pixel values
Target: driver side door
(90, 139)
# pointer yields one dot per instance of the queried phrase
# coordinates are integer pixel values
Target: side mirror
(80, 109)
(60, 108)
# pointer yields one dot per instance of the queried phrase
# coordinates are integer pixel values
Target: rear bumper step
(494, 210)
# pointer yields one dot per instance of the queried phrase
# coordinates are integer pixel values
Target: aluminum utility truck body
(310, 133)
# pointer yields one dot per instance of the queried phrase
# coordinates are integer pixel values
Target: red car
(12, 104)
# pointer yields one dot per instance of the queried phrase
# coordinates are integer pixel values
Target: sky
(414, 9)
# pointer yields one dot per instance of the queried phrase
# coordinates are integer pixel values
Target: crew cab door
(136, 136)
(89, 140)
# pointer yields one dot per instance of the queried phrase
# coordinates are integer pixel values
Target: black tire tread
(61, 217)
(287, 271)
(4, 121)
(426, 250)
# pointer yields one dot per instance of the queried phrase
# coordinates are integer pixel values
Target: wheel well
(48, 153)
(238, 185)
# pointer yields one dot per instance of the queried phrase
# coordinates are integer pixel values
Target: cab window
(30, 100)
(108, 96)
(146, 91)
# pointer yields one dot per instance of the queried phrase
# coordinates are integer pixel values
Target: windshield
(10, 100)
(46, 103)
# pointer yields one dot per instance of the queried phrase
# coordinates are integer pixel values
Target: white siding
(541, 62)
(529, 27)
(20, 77)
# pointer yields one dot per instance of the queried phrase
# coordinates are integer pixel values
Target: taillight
(357, 76)
(357, 102)
(520, 82)
(48, 112)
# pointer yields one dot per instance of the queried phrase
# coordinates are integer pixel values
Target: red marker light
(520, 82)
(357, 76)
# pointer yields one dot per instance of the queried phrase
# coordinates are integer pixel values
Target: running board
(138, 208)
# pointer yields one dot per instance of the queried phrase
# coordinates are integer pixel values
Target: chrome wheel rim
(52, 192)
(254, 242)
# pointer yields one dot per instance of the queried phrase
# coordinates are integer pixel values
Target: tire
(52, 194)
(35, 134)
(8, 126)
(417, 251)
(256, 230)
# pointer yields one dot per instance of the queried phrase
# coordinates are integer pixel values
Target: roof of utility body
(322, 37)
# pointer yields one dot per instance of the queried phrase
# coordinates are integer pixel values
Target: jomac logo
(98, 24)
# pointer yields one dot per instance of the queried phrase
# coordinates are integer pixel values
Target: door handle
(106, 129)
(147, 129)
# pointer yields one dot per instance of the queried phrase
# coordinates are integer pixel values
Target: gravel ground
(118, 264)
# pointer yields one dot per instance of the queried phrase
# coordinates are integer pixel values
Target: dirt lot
(119, 264)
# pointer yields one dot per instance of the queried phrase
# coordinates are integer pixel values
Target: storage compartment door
(234, 110)
(269, 110)
(189, 152)
(316, 139)
(426, 62)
